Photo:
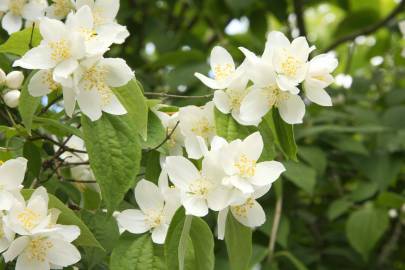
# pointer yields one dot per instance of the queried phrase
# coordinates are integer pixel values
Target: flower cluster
(28, 229)
(12, 83)
(249, 91)
(70, 57)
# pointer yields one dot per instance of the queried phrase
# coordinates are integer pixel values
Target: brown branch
(80, 181)
(368, 30)
(65, 148)
(153, 94)
(299, 12)
(50, 103)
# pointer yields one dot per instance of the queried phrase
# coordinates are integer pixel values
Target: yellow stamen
(242, 210)
(246, 166)
(28, 218)
(222, 71)
(38, 249)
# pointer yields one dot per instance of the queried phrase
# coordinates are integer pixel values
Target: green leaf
(19, 42)
(293, 260)
(57, 125)
(132, 98)
(136, 253)
(269, 150)
(238, 239)
(301, 175)
(283, 134)
(365, 227)
(203, 243)
(391, 200)
(338, 208)
(68, 217)
(114, 153)
(315, 157)
(228, 128)
(156, 132)
(28, 105)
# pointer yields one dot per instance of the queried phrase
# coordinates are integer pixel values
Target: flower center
(16, 6)
(47, 79)
(87, 34)
(222, 71)
(202, 128)
(60, 50)
(38, 249)
(98, 18)
(94, 78)
(235, 97)
(274, 95)
(200, 187)
(62, 8)
(28, 218)
(241, 210)
(154, 218)
(290, 66)
(245, 166)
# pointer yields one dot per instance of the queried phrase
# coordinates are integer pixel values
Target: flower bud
(2, 77)
(14, 79)
(12, 98)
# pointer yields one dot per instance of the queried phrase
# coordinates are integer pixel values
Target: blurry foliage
(351, 156)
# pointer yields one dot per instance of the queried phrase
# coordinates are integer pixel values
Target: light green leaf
(338, 208)
(68, 217)
(132, 98)
(28, 105)
(19, 42)
(293, 260)
(136, 253)
(203, 243)
(156, 132)
(114, 153)
(365, 227)
(228, 128)
(301, 175)
(238, 239)
(58, 125)
(391, 199)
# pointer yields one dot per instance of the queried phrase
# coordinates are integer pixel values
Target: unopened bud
(393, 213)
(14, 79)
(12, 98)
(2, 77)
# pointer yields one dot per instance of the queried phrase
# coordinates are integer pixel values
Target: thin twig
(166, 139)
(80, 181)
(368, 30)
(175, 96)
(46, 108)
(390, 245)
(75, 164)
(65, 148)
(274, 229)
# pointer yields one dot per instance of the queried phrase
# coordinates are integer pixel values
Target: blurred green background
(342, 202)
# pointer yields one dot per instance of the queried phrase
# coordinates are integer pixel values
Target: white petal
(275, 40)
(63, 253)
(241, 184)
(159, 234)
(221, 101)
(318, 96)
(25, 263)
(16, 248)
(65, 69)
(52, 30)
(114, 106)
(220, 56)
(267, 172)
(69, 100)
(6, 200)
(221, 223)
(195, 146)
(148, 196)
(252, 146)
(41, 83)
(108, 9)
(211, 83)
(181, 171)
(12, 173)
(292, 110)
(219, 198)
(116, 32)
(36, 58)
(195, 206)
(68, 232)
(300, 48)
(119, 73)
(81, 20)
(253, 217)
(286, 84)
(254, 106)
(11, 23)
(33, 10)
(133, 221)
(90, 103)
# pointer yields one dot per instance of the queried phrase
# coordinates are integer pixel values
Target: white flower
(95, 78)
(223, 67)
(169, 121)
(155, 214)
(50, 250)
(59, 9)
(319, 77)
(266, 94)
(288, 60)
(14, 79)
(104, 13)
(59, 50)
(239, 160)
(12, 98)
(11, 177)
(198, 127)
(6, 235)
(16, 10)
(200, 190)
(32, 217)
(82, 22)
(249, 213)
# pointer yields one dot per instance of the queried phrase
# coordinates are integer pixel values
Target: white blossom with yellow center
(59, 9)
(11, 177)
(155, 214)
(243, 172)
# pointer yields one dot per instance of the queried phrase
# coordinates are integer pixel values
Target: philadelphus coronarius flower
(59, 9)
(17, 10)
(157, 207)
